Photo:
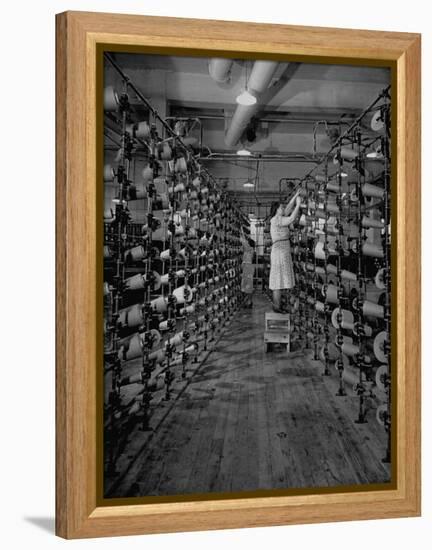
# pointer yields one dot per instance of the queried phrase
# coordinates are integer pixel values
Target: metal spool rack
(171, 283)
(342, 255)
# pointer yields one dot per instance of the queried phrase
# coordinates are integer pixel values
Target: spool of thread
(135, 283)
(179, 188)
(346, 153)
(374, 191)
(160, 234)
(353, 195)
(135, 344)
(175, 340)
(372, 250)
(164, 255)
(109, 174)
(330, 207)
(111, 100)
(370, 309)
(347, 318)
(381, 414)
(380, 342)
(183, 294)
(187, 310)
(379, 279)
(348, 275)
(165, 278)
(319, 306)
(108, 216)
(136, 253)
(377, 121)
(179, 230)
(333, 187)
(159, 304)
(157, 356)
(156, 337)
(180, 165)
(368, 249)
(319, 251)
(190, 141)
(366, 330)
(130, 129)
(131, 317)
(349, 348)
(330, 293)
(132, 378)
(164, 325)
(319, 270)
(305, 220)
(160, 183)
(134, 408)
(373, 223)
(165, 152)
(135, 194)
(381, 377)
(349, 375)
(142, 130)
(147, 174)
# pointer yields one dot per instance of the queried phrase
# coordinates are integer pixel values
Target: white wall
(27, 273)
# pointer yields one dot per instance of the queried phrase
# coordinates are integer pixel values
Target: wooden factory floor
(250, 420)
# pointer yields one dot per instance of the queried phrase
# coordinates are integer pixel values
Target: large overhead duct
(219, 69)
(261, 75)
(258, 82)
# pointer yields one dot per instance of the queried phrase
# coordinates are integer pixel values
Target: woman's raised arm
(288, 220)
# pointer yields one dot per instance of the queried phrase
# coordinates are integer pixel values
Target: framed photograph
(238, 274)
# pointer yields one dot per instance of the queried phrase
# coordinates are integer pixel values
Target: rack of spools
(171, 263)
(341, 248)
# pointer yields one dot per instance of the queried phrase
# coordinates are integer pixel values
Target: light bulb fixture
(246, 98)
(248, 184)
(343, 175)
(243, 153)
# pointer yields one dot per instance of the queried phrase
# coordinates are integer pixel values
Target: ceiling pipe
(258, 82)
(261, 75)
(220, 69)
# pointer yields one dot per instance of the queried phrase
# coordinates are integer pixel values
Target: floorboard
(250, 420)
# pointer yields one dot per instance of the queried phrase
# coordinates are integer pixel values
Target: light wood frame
(78, 34)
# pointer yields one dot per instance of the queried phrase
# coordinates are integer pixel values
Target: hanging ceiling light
(246, 98)
(243, 153)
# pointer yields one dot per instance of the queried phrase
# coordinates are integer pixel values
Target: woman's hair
(273, 208)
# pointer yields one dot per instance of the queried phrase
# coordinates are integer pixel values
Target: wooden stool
(277, 329)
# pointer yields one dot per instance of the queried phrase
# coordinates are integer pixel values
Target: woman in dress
(281, 266)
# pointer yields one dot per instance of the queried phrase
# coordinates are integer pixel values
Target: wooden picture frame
(79, 35)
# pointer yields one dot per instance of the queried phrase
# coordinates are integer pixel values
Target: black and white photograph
(247, 218)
